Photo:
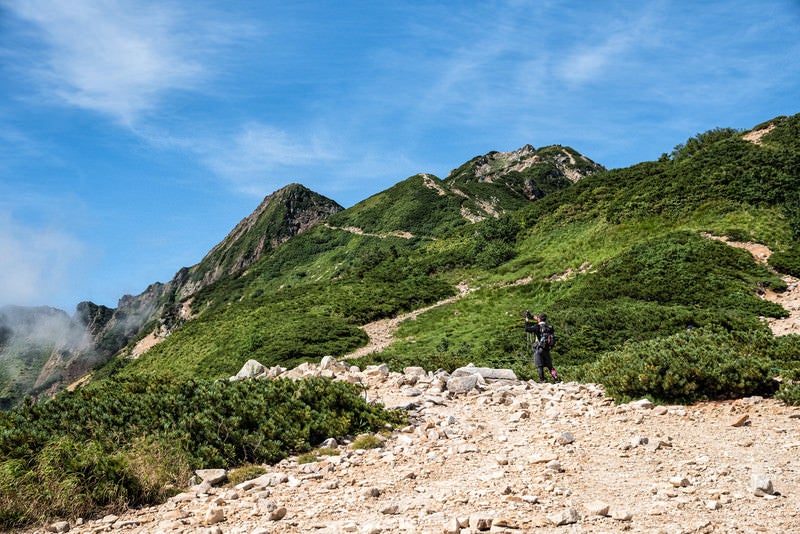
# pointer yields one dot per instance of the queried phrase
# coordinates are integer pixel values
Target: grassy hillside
(617, 257)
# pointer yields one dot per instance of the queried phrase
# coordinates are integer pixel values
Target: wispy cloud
(259, 157)
(35, 262)
(115, 57)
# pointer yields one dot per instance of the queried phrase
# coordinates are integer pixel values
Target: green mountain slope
(617, 256)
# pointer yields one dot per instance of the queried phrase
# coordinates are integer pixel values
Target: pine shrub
(705, 363)
(84, 452)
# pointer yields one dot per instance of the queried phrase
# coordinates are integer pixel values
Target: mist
(36, 263)
(43, 327)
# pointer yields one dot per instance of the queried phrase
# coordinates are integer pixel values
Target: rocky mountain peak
(568, 163)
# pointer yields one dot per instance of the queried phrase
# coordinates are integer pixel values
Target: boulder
(487, 373)
(761, 485)
(212, 476)
(462, 384)
(250, 369)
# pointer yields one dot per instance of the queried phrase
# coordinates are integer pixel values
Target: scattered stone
(371, 492)
(565, 438)
(214, 515)
(621, 514)
(739, 420)
(392, 509)
(554, 465)
(277, 514)
(175, 515)
(452, 526)
(480, 522)
(59, 526)
(597, 508)
(568, 516)
(486, 373)
(660, 410)
(679, 482)
(462, 384)
(761, 485)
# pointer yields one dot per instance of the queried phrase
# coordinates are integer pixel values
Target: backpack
(547, 339)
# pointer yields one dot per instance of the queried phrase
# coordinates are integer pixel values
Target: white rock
(59, 526)
(620, 514)
(761, 485)
(250, 369)
(597, 508)
(568, 516)
(480, 522)
(214, 515)
(565, 438)
(212, 476)
(458, 385)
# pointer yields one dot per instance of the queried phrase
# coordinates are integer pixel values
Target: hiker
(545, 340)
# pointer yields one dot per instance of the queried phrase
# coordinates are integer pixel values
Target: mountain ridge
(479, 216)
(281, 215)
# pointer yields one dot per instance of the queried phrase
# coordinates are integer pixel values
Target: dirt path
(359, 231)
(789, 299)
(381, 333)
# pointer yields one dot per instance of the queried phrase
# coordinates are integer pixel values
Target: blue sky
(134, 135)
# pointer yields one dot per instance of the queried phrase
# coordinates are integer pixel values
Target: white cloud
(260, 157)
(110, 56)
(35, 263)
(590, 62)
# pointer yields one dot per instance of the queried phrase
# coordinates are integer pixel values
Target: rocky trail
(484, 452)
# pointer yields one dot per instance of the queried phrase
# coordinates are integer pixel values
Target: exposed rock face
(515, 457)
(527, 172)
(280, 216)
(496, 166)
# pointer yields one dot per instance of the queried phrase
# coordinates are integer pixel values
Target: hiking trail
(789, 299)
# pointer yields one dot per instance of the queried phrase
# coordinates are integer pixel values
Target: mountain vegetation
(620, 260)
(39, 347)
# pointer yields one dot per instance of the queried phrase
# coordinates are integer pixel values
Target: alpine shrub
(45, 471)
(705, 363)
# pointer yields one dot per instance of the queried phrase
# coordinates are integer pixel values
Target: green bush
(367, 442)
(789, 393)
(84, 452)
(244, 473)
(787, 261)
(705, 363)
